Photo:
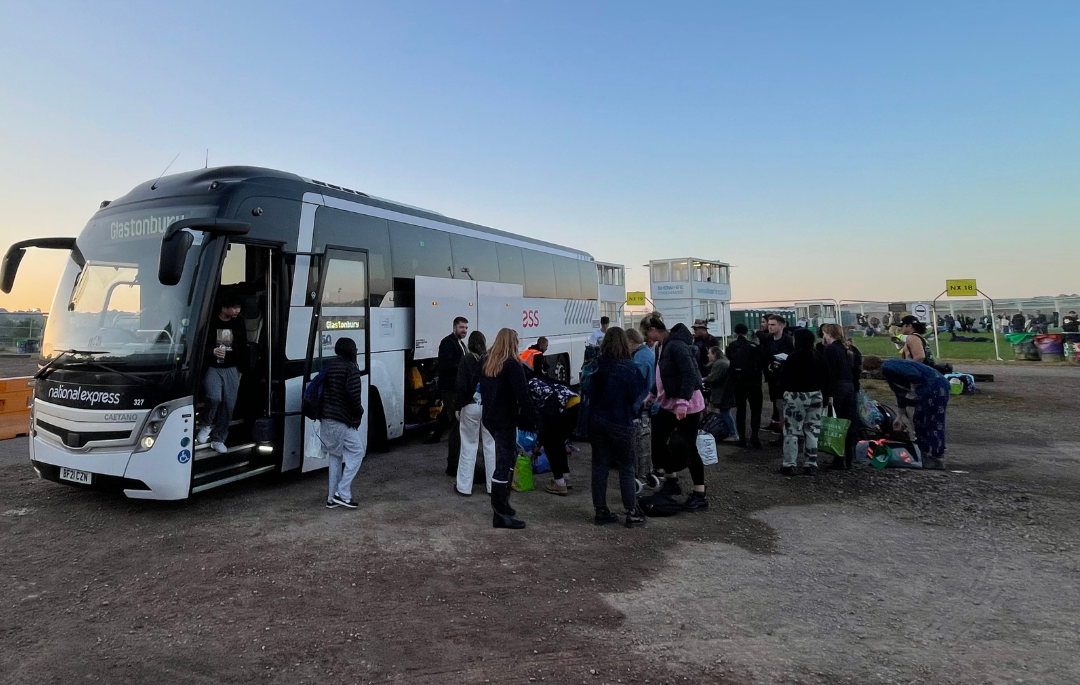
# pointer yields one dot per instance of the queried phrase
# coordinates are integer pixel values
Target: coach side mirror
(174, 249)
(17, 251)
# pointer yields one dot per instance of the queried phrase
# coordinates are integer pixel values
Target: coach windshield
(110, 302)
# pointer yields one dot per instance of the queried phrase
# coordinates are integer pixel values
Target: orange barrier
(15, 394)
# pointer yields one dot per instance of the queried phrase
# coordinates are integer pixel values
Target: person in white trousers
(473, 434)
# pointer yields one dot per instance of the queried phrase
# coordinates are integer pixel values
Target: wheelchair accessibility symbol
(184, 456)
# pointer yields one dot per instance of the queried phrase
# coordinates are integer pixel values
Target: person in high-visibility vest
(534, 357)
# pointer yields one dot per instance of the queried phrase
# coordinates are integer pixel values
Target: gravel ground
(859, 577)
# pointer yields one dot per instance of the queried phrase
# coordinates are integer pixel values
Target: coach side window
(478, 256)
(590, 284)
(567, 278)
(419, 251)
(539, 274)
(511, 268)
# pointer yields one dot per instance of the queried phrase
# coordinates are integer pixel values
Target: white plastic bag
(706, 447)
(313, 447)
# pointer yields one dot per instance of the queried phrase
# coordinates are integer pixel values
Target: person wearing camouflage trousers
(804, 378)
(802, 417)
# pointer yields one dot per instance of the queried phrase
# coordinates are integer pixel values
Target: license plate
(74, 476)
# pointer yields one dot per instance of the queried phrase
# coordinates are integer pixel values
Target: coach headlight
(155, 420)
(146, 443)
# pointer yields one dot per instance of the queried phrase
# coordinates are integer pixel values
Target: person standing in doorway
(745, 359)
(226, 358)
(451, 350)
(598, 334)
(506, 406)
(340, 415)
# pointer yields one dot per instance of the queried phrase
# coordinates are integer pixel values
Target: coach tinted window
(479, 256)
(567, 278)
(539, 274)
(511, 268)
(419, 251)
(590, 283)
(348, 229)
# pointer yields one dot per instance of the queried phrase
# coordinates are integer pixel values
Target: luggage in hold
(706, 447)
(833, 434)
(523, 474)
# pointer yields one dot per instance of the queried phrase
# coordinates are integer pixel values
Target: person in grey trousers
(340, 412)
(226, 358)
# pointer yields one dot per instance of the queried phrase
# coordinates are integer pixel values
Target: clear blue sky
(852, 150)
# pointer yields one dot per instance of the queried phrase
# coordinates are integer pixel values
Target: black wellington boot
(503, 516)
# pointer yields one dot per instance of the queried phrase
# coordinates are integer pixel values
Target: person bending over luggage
(557, 407)
(804, 379)
(474, 437)
(614, 390)
(922, 393)
(341, 412)
(506, 406)
(678, 392)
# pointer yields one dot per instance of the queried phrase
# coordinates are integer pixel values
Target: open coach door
(341, 311)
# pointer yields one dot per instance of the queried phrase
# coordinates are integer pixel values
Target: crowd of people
(645, 394)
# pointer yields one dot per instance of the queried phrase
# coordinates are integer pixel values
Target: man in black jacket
(777, 342)
(340, 413)
(746, 358)
(451, 350)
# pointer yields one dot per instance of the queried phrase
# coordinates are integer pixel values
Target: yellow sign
(635, 298)
(964, 287)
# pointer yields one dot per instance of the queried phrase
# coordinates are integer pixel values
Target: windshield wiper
(44, 371)
(122, 374)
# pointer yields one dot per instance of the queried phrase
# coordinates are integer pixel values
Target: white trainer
(219, 447)
(203, 435)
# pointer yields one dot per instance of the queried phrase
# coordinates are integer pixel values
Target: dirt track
(863, 577)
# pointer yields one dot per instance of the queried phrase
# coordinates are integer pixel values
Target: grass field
(883, 347)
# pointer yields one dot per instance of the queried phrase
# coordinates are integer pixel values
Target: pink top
(695, 404)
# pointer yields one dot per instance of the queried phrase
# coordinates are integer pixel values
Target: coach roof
(284, 184)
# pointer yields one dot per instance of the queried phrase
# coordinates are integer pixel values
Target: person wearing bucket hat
(703, 341)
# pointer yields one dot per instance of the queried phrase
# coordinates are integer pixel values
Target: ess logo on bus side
(530, 318)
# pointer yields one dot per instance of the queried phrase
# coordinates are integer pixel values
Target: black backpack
(311, 404)
(658, 505)
(743, 356)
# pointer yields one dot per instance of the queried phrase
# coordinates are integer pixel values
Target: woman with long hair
(473, 433)
(615, 389)
(841, 388)
(505, 406)
(915, 346)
